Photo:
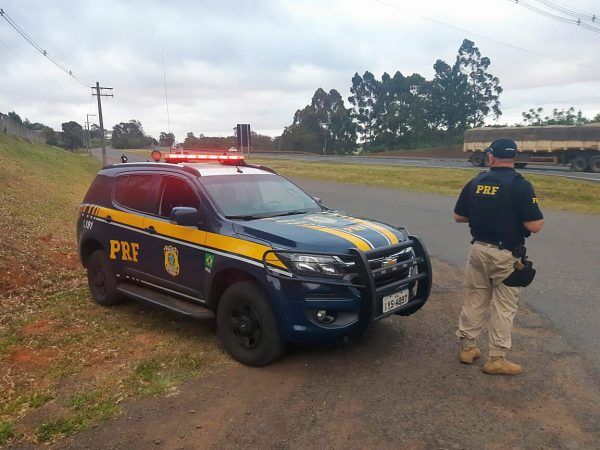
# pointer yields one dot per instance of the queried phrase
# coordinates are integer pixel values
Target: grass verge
(66, 363)
(553, 192)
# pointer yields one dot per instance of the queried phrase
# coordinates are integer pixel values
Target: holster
(524, 272)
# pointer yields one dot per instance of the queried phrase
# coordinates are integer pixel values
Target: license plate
(395, 300)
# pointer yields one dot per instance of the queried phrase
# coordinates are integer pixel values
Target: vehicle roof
(202, 169)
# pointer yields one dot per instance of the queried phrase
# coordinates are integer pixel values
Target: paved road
(434, 163)
(567, 252)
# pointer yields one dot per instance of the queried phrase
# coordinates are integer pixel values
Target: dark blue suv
(206, 232)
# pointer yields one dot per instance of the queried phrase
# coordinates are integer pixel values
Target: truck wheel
(579, 164)
(478, 159)
(102, 280)
(247, 325)
(520, 165)
(595, 164)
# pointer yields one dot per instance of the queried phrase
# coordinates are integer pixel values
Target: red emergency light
(202, 157)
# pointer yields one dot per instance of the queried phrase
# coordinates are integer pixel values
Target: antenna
(165, 83)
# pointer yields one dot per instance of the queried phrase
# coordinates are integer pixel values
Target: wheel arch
(87, 247)
(227, 277)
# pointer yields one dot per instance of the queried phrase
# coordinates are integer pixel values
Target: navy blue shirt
(497, 203)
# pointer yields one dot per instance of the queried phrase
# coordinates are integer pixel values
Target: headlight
(316, 265)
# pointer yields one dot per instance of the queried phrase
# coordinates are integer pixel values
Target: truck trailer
(576, 146)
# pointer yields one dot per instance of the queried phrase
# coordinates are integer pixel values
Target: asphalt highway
(561, 171)
(566, 253)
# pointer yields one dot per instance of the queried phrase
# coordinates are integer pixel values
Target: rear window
(135, 192)
(99, 191)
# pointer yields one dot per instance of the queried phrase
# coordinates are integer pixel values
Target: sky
(258, 61)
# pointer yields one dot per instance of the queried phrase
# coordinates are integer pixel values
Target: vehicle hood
(326, 231)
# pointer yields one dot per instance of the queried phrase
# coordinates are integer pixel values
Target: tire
(102, 281)
(595, 164)
(247, 326)
(579, 164)
(520, 165)
(478, 159)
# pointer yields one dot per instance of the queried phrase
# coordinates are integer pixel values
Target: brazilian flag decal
(209, 260)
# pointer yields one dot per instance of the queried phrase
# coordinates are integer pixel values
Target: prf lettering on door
(486, 190)
(128, 250)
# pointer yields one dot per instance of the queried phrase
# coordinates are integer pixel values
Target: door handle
(150, 229)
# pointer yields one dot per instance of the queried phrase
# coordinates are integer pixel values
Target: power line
(53, 60)
(573, 12)
(68, 91)
(573, 21)
(506, 44)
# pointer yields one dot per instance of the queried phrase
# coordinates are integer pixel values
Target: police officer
(501, 209)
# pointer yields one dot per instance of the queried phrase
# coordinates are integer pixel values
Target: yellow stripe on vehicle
(358, 242)
(236, 246)
(391, 236)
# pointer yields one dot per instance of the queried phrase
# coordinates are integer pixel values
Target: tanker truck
(575, 146)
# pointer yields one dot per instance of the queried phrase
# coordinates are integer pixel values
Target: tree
(324, 126)
(464, 94)
(166, 139)
(72, 135)
(365, 92)
(14, 116)
(130, 135)
(558, 117)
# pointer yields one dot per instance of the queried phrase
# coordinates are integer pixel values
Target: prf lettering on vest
(128, 250)
(487, 190)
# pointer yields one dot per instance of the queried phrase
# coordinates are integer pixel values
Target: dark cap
(503, 148)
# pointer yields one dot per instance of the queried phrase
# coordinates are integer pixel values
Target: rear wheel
(478, 159)
(595, 164)
(579, 164)
(102, 280)
(247, 325)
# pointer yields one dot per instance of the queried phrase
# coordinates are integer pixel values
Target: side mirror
(185, 216)
(318, 200)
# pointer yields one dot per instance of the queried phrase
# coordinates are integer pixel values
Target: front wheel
(478, 159)
(102, 280)
(247, 325)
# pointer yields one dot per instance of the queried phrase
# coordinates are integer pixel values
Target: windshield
(249, 197)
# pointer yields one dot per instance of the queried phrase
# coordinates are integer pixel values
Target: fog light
(324, 317)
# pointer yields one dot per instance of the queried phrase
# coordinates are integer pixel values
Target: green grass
(553, 192)
(67, 362)
(7, 431)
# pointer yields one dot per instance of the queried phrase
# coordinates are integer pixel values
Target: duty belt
(498, 245)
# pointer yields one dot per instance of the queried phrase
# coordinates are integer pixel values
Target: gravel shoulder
(401, 385)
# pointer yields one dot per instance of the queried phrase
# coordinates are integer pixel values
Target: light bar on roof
(201, 157)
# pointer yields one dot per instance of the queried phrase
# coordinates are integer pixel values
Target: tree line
(399, 111)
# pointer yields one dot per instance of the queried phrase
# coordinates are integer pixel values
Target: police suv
(208, 231)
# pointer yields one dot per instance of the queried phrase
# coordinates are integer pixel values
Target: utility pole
(87, 127)
(99, 94)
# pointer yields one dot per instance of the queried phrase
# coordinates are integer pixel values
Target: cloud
(258, 62)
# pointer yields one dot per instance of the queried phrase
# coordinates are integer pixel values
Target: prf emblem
(484, 189)
(128, 250)
(171, 260)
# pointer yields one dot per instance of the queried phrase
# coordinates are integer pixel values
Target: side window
(134, 191)
(176, 192)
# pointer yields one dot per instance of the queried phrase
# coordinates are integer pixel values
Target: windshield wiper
(245, 217)
(290, 213)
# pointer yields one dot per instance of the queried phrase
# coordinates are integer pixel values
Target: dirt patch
(26, 359)
(400, 386)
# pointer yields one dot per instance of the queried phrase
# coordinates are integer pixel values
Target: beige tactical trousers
(487, 267)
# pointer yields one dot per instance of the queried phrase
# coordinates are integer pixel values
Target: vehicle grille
(390, 257)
